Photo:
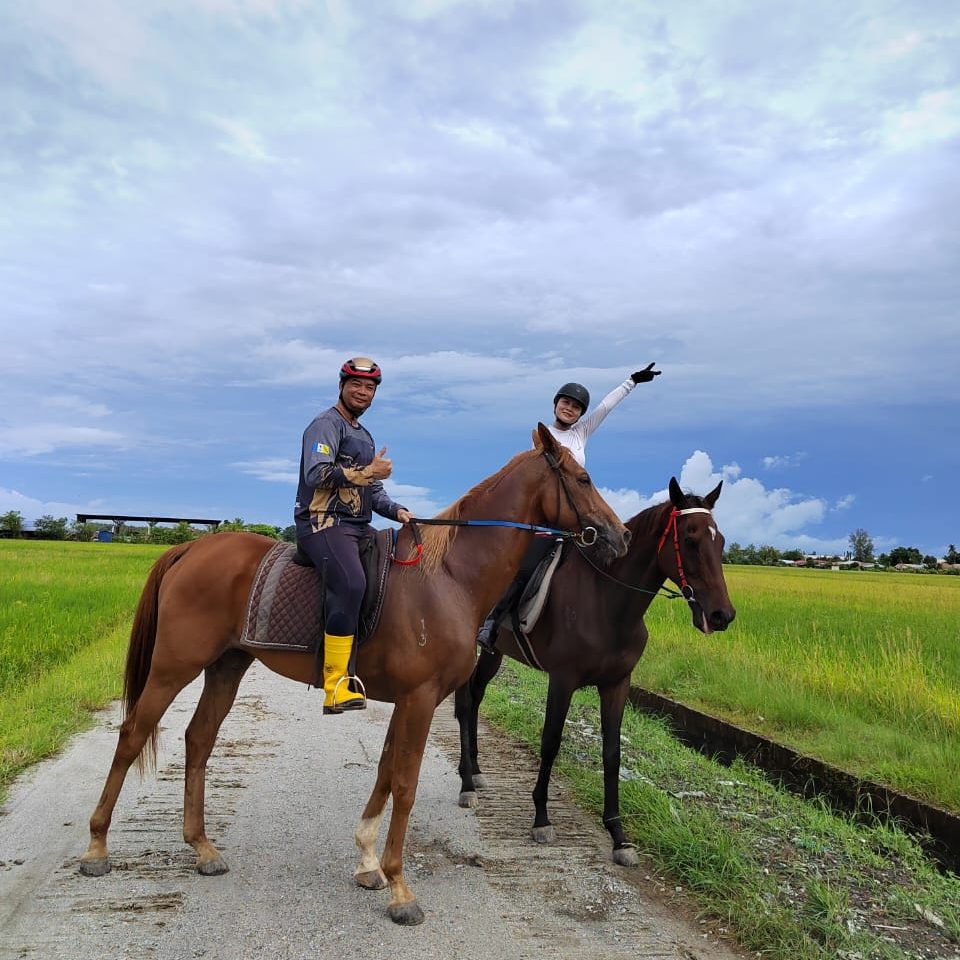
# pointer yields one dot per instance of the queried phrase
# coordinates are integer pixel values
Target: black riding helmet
(574, 391)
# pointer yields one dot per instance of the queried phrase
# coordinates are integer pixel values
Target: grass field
(858, 669)
(65, 613)
(857, 663)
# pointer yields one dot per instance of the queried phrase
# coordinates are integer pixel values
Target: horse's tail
(143, 636)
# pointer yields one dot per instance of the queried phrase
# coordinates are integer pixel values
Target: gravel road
(285, 790)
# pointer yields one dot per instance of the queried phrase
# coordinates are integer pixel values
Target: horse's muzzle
(611, 543)
(713, 622)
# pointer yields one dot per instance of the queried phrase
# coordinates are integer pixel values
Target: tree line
(861, 549)
(861, 552)
(49, 527)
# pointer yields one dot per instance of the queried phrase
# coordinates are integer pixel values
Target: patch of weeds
(789, 877)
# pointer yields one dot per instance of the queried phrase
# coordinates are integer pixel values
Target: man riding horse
(340, 487)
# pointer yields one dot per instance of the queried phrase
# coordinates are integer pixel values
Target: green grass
(65, 614)
(791, 880)
(858, 669)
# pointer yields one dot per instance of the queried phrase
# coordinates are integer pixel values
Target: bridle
(582, 537)
(587, 536)
(686, 591)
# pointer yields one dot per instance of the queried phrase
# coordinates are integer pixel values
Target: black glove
(645, 375)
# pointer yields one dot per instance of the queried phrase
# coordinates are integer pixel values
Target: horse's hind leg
(559, 694)
(368, 874)
(467, 702)
(158, 693)
(221, 681)
(612, 701)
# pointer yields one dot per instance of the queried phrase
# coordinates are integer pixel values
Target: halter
(587, 536)
(685, 589)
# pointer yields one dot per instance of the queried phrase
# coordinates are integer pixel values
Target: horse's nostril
(720, 619)
(626, 538)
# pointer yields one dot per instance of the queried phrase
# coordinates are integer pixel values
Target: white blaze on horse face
(713, 532)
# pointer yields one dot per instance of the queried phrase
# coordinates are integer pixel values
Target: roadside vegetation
(861, 670)
(787, 879)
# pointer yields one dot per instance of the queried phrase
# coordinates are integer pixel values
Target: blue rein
(532, 527)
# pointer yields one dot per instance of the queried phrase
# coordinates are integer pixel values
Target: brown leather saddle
(285, 609)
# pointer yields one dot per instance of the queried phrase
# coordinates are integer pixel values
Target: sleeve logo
(321, 448)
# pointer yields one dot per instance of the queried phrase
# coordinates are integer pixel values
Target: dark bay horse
(191, 615)
(591, 633)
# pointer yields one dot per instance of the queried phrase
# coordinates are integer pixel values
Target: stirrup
(354, 704)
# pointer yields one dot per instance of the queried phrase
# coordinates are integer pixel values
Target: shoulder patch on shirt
(321, 448)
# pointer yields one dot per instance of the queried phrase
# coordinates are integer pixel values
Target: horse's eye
(583, 480)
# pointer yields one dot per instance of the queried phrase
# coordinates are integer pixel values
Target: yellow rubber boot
(337, 693)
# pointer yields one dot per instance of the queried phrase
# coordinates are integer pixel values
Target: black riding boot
(487, 634)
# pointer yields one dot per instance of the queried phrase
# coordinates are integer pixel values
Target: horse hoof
(370, 880)
(468, 799)
(95, 868)
(544, 834)
(480, 781)
(406, 914)
(626, 857)
(212, 868)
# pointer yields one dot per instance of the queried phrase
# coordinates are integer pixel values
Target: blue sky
(208, 205)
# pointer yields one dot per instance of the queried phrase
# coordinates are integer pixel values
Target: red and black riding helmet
(362, 367)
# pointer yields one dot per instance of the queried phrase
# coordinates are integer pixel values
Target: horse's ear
(677, 497)
(713, 496)
(543, 439)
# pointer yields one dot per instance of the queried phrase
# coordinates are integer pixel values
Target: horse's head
(690, 554)
(572, 502)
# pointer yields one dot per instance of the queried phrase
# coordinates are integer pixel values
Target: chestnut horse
(191, 616)
(591, 633)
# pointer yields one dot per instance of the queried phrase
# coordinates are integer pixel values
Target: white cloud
(77, 406)
(43, 438)
(934, 117)
(418, 500)
(779, 462)
(276, 470)
(242, 139)
(844, 503)
(31, 508)
(747, 511)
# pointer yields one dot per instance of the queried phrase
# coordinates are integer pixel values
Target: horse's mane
(437, 541)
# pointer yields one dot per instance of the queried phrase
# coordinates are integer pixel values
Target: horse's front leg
(559, 694)
(411, 724)
(368, 874)
(612, 701)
